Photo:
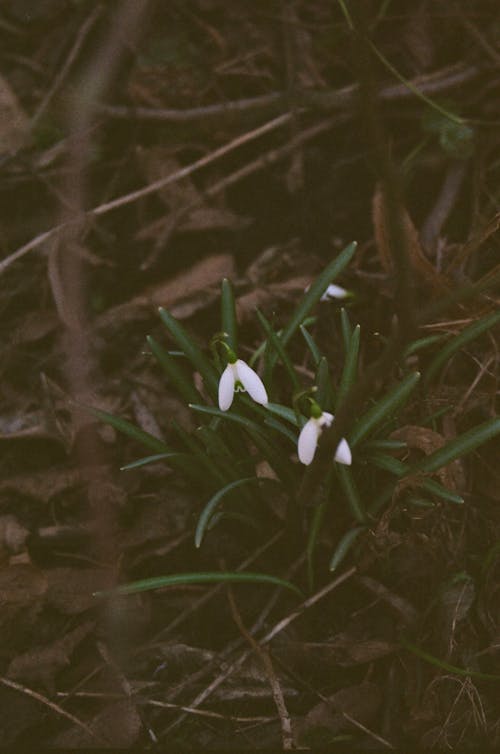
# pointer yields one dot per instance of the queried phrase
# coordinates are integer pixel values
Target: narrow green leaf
(288, 414)
(274, 342)
(200, 458)
(231, 416)
(192, 351)
(400, 469)
(459, 446)
(202, 577)
(417, 345)
(346, 328)
(446, 665)
(455, 344)
(325, 395)
(311, 344)
(430, 485)
(178, 376)
(344, 545)
(385, 445)
(145, 461)
(317, 289)
(351, 492)
(129, 429)
(312, 540)
(228, 314)
(384, 408)
(212, 504)
(350, 370)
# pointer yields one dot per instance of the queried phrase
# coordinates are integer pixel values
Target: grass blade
(351, 492)
(383, 408)
(350, 371)
(175, 373)
(129, 429)
(317, 289)
(344, 545)
(311, 344)
(346, 328)
(202, 577)
(459, 446)
(144, 461)
(210, 507)
(191, 350)
(279, 349)
(446, 665)
(455, 344)
(228, 314)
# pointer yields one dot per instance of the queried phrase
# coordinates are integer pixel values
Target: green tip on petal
(231, 356)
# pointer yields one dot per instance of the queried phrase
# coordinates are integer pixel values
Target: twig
(367, 731)
(284, 623)
(54, 707)
(445, 201)
(279, 699)
(73, 54)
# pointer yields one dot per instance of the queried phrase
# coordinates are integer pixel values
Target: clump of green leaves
(222, 457)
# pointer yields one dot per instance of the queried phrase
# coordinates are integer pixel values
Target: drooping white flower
(310, 434)
(238, 376)
(334, 291)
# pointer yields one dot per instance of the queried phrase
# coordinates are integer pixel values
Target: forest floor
(148, 150)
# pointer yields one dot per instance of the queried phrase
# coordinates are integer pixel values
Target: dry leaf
(360, 702)
(425, 439)
(183, 295)
(22, 594)
(42, 664)
(117, 726)
(43, 485)
(12, 536)
(417, 258)
(14, 123)
(70, 590)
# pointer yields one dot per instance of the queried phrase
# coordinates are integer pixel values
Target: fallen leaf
(14, 123)
(425, 439)
(118, 726)
(361, 702)
(42, 664)
(70, 590)
(13, 536)
(42, 486)
(23, 589)
(183, 295)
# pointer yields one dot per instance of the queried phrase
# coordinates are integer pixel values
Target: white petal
(226, 388)
(334, 291)
(251, 382)
(326, 419)
(343, 453)
(308, 440)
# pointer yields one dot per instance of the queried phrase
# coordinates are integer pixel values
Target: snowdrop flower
(238, 376)
(310, 434)
(334, 291)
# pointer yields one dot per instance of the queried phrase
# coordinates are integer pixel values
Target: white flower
(334, 291)
(239, 376)
(309, 436)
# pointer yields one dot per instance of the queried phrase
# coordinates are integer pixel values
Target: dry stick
(73, 54)
(280, 626)
(279, 699)
(55, 707)
(441, 81)
(444, 79)
(444, 203)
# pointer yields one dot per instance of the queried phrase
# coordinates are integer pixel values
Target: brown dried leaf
(361, 702)
(70, 590)
(41, 665)
(43, 485)
(347, 650)
(425, 439)
(117, 726)
(418, 260)
(183, 295)
(14, 123)
(12, 537)
(22, 593)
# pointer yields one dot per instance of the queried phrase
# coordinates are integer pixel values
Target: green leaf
(230, 416)
(175, 373)
(311, 344)
(228, 315)
(417, 345)
(344, 545)
(455, 344)
(346, 328)
(351, 492)
(446, 665)
(192, 351)
(283, 412)
(212, 504)
(384, 408)
(459, 446)
(317, 289)
(277, 345)
(350, 370)
(325, 394)
(202, 577)
(129, 429)
(145, 461)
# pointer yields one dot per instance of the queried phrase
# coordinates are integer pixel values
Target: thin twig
(73, 54)
(54, 707)
(279, 699)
